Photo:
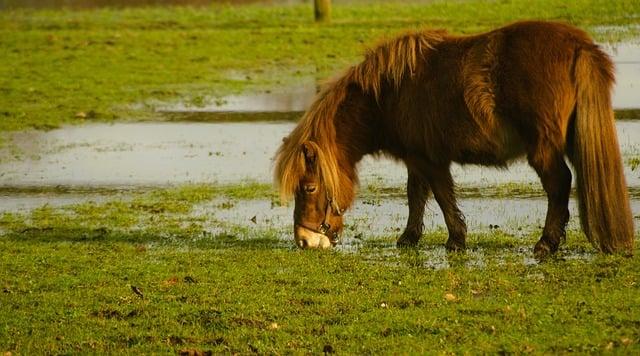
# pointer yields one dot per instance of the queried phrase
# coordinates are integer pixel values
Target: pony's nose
(307, 239)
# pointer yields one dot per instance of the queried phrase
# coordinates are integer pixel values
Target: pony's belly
(487, 158)
(506, 146)
(511, 144)
(511, 149)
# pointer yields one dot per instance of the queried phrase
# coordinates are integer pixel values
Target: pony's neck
(355, 126)
(355, 130)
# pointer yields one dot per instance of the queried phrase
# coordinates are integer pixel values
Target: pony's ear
(309, 152)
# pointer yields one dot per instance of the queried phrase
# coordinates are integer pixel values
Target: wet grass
(232, 116)
(377, 193)
(163, 212)
(183, 196)
(142, 275)
(627, 114)
(63, 66)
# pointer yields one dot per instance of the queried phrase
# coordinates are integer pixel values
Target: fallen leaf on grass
(91, 114)
(170, 282)
(450, 297)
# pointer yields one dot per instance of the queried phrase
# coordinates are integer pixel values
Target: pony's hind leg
(417, 193)
(556, 181)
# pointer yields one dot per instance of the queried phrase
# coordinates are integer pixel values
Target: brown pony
(428, 98)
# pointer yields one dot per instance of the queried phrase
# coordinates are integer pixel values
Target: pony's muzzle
(307, 239)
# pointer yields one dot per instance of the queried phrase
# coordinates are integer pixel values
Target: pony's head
(317, 216)
(321, 193)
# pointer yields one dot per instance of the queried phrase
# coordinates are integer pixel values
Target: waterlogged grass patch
(145, 215)
(627, 114)
(375, 193)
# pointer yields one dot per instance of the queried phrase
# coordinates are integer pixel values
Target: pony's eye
(309, 189)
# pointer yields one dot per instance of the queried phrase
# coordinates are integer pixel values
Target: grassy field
(143, 272)
(68, 278)
(75, 66)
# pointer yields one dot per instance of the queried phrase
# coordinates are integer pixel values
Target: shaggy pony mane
(389, 63)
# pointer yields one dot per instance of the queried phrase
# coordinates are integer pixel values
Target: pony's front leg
(441, 183)
(417, 193)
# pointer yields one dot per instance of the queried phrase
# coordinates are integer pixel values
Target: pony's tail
(605, 214)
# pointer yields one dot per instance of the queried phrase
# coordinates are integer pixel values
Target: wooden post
(322, 10)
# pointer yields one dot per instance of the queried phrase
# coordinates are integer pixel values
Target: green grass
(76, 297)
(67, 276)
(67, 66)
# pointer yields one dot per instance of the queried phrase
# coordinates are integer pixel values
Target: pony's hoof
(542, 250)
(454, 245)
(408, 241)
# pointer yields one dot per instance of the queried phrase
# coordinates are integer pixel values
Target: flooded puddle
(159, 154)
(133, 154)
(284, 105)
(26, 202)
(626, 93)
